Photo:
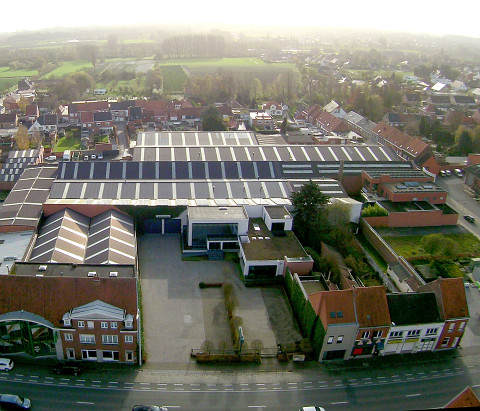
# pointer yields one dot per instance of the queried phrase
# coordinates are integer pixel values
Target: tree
(465, 144)
(283, 127)
(22, 139)
(308, 203)
(212, 120)
(339, 214)
(432, 243)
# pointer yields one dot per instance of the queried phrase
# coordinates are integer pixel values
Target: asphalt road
(398, 388)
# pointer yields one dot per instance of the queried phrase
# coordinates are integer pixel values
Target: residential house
(62, 114)
(119, 109)
(432, 112)
(463, 101)
(135, 118)
(190, 116)
(334, 109)
(393, 120)
(261, 120)
(103, 123)
(32, 112)
(360, 124)
(439, 100)
(472, 176)
(452, 303)
(458, 85)
(275, 109)
(25, 84)
(437, 87)
(75, 109)
(46, 123)
(412, 99)
(328, 123)
(416, 323)
(373, 318)
(8, 120)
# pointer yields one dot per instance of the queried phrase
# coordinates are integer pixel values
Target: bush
(374, 210)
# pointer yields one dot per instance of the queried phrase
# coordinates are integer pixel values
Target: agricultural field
(67, 67)
(174, 77)
(7, 83)
(6, 72)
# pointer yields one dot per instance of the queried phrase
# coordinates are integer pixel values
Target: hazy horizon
(409, 16)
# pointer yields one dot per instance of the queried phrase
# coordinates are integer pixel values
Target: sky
(422, 16)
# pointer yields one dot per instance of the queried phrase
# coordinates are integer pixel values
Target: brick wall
(414, 219)
(381, 246)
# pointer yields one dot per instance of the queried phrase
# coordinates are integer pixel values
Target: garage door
(162, 226)
(151, 226)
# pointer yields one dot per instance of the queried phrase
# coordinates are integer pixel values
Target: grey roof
(192, 138)
(13, 248)
(121, 105)
(475, 170)
(283, 153)
(70, 237)
(25, 316)
(24, 153)
(48, 120)
(102, 116)
(277, 212)
(217, 213)
(96, 310)
(23, 205)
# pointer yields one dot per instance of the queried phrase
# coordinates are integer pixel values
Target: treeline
(194, 45)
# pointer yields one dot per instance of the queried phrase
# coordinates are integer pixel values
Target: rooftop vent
(223, 208)
(92, 274)
(42, 268)
(113, 273)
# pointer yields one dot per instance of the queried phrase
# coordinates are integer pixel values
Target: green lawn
(7, 83)
(67, 67)
(3, 194)
(67, 143)
(410, 246)
(7, 72)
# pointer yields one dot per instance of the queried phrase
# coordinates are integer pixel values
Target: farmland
(71, 66)
(6, 72)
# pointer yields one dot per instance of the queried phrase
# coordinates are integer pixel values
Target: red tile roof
(371, 306)
(451, 297)
(467, 398)
(86, 117)
(331, 123)
(411, 145)
(31, 110)
(51, 297)
(338, 301)
(89, 106)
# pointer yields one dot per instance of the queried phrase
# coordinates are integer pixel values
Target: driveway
(179, 316)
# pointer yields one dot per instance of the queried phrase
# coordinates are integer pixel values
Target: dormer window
(67, 322)
(129, 324)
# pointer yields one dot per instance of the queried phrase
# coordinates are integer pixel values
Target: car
(148, 408)
(85, 158)
(458, 172)
(443, 173)
(448, 173)
(312, 408)
(50, 158)
(100, 157)
(469, 218)
(6, 364)
(66, 368)
(93, 156)
(14, 402)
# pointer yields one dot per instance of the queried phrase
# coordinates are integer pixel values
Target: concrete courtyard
(179, 316)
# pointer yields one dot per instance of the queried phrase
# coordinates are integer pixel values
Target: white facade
(412, 338)
(339, 340)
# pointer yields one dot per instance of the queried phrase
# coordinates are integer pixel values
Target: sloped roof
(467, 398)
(328, 304)
(89, 106)
(52, 297)
(413, 308)
(451, 297)
(102, 116)
(31, 110)
(331, 123)
(97, 310)
(48, 120)
(371, 306)
(333, 105)
(412, 145)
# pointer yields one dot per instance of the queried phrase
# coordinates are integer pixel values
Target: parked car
(448, 173)
(6, 364)
(458, 172)
(93, 156)
(100, 157)
(442, 173)
(14, 402)
(312, 408)
(67, 368)
(50, 158)
(148, 408)
(469, 218)
(85, 158)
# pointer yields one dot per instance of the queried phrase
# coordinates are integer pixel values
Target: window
(109, 339)
(129, 324)
(129, 339)
(451, 327)
(462, 326)
(377, 334)
(70, 354)
(81, 324)
(432, 331)
(396, 334)
(104, 324)
(339, 314)
(90, 324)
(68, 337)
(333, 314)
(365, 334)
(129, 356)
(67, 322)
(339, 339)
(89, 355)
(445, 341)
(87, 338)
(413, 333)
(110, 356)
(113, 325)
(455, 342)
(330, 340)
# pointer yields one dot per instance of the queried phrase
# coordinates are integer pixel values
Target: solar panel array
(192, 138)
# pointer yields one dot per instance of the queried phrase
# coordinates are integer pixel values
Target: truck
(67, 155)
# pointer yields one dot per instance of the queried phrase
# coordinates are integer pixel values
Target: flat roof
(217, 213)
(263, 245)
(73, 270)
(277, 212)
(414, 187)
(12, 248)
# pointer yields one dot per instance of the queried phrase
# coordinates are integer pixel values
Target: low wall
(380, 245)
(414, 219)
(298, 267)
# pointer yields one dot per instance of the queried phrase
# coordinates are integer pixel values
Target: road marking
(19, 375)
(34, 376)
(193, 389)
(382, 377)
(413, 395)
(81, 380)
(339, 402)
(193, 385)
(85, 403)
(408, 374)
(244, 383)
(113, 382)
(394, 376)
(163, 384)
(476, 386)
(367, 378)
(307, 382)
(177, 384)
(145, 383)
(96, 381)
(78, 384)
(257, 406)
(259, 384)
(296, 383)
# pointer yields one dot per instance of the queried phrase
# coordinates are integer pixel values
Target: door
(70, 354)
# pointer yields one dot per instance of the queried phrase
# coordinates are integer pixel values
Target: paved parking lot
(179, 316)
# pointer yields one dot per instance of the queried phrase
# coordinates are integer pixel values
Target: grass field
(174, 78)
(67, 143)
(67, 67)
(7, 83)
(7, 72)
(410, 246)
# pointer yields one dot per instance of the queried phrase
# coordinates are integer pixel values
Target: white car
(6, 364)
(312, 408)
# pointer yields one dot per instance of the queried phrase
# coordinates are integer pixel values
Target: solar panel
(181, 170)
(247, 170)
(198, 170)
(214, 170)
(100, 170)
(116, 170)
(148, 171)
(132, 171)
